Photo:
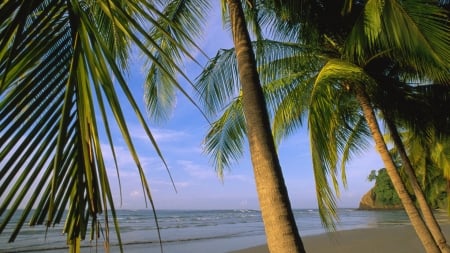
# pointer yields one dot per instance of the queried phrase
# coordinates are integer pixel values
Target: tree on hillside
(62, 66)
(429, 156)
(383, 191)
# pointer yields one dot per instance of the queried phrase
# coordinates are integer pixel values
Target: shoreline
(235, 231)
(395, 239)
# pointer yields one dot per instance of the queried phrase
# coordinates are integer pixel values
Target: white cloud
(160, 134)
(125, 160)
(168, 135)
(238, 177)
(135, 194)
(200, 172)
(197, 171)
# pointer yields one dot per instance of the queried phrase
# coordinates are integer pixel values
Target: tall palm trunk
(416, 220)
(280, 227)
(427, 213)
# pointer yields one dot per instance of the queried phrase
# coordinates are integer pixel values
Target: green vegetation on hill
(434, 187)
(383, 192)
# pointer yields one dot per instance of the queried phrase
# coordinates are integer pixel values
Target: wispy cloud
(196, 171)
(126, 161)
(238, 177)
(160, 135)
(201, 172)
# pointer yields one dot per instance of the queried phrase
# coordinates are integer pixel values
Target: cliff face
(369, 202)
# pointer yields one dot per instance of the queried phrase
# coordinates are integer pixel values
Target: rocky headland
(369, 202)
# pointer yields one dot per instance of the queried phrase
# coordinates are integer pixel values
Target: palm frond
(225, 140)
(218, 84)
(372, 19)
(280, 59)
(413, 33)
(180, 22)
(287, 73)
(322, 126)
(281, 20)
(290, 106)
(355, 138)
(336, 128)
(62, 66)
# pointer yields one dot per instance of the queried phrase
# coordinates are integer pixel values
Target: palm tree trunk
(416, 220)
(427, 213)
(280, 227)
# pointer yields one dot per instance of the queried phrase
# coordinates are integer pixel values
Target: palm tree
(62, 66)
(281, 229)
(385, 39)
(427, 213)
(413, 214)
(424, 64)
(363, 46)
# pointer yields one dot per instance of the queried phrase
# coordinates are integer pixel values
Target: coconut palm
(427, 155)
(371, 41)
(280, 227)
(281, 230)
(402, 58)
(418, 63)
(428, 125)
(62, 66)
(430, 143)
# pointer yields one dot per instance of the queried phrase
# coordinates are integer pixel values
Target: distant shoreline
(215, 231)
(398, 239)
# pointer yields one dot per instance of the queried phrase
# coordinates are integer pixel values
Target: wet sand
(401, 239)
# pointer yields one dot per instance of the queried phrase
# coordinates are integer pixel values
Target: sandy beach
(400, 239)
(220, 231)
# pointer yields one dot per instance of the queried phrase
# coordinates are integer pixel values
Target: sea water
(184, 231)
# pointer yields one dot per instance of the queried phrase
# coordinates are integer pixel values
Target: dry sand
(401, 239)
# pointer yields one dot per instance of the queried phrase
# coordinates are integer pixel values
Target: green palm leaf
(179, 22)
(62, 66)
(218, 83)
(288, 73)
(224, 141)
(414, 33)
(337, 131)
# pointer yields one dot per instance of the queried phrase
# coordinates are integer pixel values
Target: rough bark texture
(280, 227)
(427, 213)
(416, 220)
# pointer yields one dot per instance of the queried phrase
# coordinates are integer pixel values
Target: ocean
(185, 231)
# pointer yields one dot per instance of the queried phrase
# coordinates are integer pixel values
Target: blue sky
(180, 140)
